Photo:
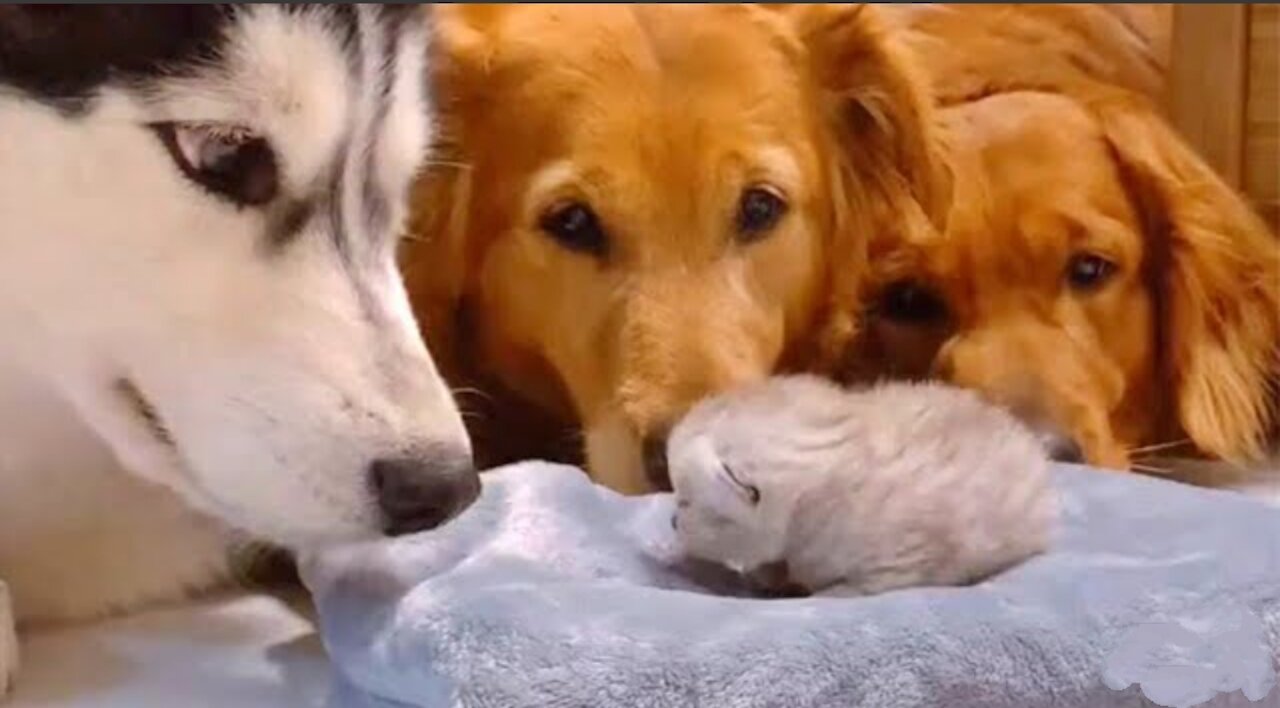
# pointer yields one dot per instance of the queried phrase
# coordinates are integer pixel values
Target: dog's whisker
(1159, 447)
(473, 393)
(448, 163)
(1221, 464)
(1151, 469)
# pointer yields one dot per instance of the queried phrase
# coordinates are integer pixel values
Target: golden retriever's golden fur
(1095, 275)
(645, 204)
(580, 256)
(975, 50)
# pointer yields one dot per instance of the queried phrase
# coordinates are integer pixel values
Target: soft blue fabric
(554, 593)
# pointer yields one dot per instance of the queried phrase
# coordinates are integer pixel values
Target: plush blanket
(554, 593)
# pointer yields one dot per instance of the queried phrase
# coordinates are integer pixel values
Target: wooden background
(1224, 92)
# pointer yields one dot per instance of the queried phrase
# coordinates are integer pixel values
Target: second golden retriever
(1095, 276)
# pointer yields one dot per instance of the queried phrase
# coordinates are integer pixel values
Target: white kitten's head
(740, 461)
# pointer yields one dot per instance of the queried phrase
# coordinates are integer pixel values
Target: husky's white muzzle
(198, 253)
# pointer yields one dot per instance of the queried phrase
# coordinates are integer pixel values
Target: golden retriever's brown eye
(229, 161)
(1089, 271)
(910, 302)
(759, 210)
(576, 227)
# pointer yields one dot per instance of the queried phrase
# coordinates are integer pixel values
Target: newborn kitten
(858, 492)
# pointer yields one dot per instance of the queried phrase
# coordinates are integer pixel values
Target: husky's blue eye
(576, 227)
(231, 162)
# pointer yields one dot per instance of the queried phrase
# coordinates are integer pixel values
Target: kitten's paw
(8, 642)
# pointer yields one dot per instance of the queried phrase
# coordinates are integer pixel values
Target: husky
(203, 332)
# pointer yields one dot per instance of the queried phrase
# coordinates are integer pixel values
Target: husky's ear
(1216, 282)
(62, 51)
(891, 181)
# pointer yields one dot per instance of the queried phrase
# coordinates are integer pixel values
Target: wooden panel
(1208, 78)
(1262, 115)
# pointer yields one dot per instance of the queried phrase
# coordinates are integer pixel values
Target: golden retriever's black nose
(655, 462)
(417, 493)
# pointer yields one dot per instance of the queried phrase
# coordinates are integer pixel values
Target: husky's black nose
(417, 493)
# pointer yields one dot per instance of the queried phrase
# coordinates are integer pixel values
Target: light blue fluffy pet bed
(554, 593)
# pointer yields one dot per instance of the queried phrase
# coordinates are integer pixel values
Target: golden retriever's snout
(1023, 396)
(418, 493)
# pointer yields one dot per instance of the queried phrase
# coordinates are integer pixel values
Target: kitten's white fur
(862, 491)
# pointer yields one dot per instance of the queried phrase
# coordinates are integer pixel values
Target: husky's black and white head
(198, 213)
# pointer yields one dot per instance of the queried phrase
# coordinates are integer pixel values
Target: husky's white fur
(166, 374)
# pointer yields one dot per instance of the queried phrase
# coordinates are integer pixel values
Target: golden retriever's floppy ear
(434, 254)
(876, 95)
(1216, 281)
(891, 182)
(463, 31)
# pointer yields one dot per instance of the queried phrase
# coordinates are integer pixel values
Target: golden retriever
(646, 204)
(1095, 276)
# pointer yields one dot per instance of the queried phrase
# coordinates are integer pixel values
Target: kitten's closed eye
(747, 491)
